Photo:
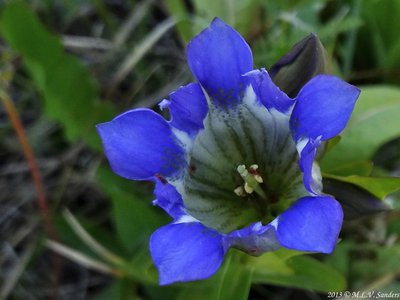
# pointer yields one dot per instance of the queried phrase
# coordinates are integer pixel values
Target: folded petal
(218, 57)
(186, 252)
(323, 107)
(311, 224)
(139, 144)
(255, 239)
(188, 108)
(311, 173)
(267, 92)
(168, 198)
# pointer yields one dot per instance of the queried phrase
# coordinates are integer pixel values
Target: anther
(240, 191)
(248, 188)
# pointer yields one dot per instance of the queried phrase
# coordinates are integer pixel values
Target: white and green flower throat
(242, 167)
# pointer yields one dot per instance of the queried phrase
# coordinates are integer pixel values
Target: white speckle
(274, 223)
(301, 144)
(257, 226)
(186, 219)
(250, 97)
(184, 138)
(316, 184)
(164, 104)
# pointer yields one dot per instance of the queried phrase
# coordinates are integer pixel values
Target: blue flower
(235, 165)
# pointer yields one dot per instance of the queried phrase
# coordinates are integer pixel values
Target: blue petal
(140, 144)
(168, 198)
(218, 57)
(186, 252)
(255, 239)
(188, 108)
(311, 179)
(323, 107)
(267, 92)
(311, 224)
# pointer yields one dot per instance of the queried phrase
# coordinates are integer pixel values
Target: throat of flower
(243, 167)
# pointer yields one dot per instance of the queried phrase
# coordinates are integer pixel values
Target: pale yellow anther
(239, 191)
(242, 171)
(248, 188)
(254, 167)
(258, 178)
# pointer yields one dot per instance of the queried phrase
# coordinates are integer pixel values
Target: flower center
(251, 179)
(243, 167)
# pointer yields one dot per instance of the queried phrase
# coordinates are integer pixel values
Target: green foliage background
(77, 63)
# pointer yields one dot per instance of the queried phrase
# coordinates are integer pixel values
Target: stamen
(248, 188)
(258, 178)
(242, 171)
(240, 191)
(251, 179)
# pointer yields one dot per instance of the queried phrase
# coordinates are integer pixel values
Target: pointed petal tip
(216, 21)
(218, 57)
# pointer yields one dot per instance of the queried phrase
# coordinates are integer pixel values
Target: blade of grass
(89, 240)
(350, 44)
(86, 42)
(16, 272)
(140, 51)
(81, 258)
(130, 24)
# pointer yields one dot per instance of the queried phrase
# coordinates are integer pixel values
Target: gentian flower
(235, 165)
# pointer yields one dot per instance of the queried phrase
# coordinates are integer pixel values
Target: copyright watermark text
(363, 295)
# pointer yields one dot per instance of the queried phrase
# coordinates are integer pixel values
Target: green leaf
(156, 292)
(135, 218)
(177, 8)
(340, 258)
(241, 14)
(298, 271)
(374, 122)
(141, 267)
(361, 168)
(380, 266)
(269, 264)
(120, 289)
(70, 94)
(236, 282)
(192, 22)
(377, 186)
(379, 36)
(232, 281)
